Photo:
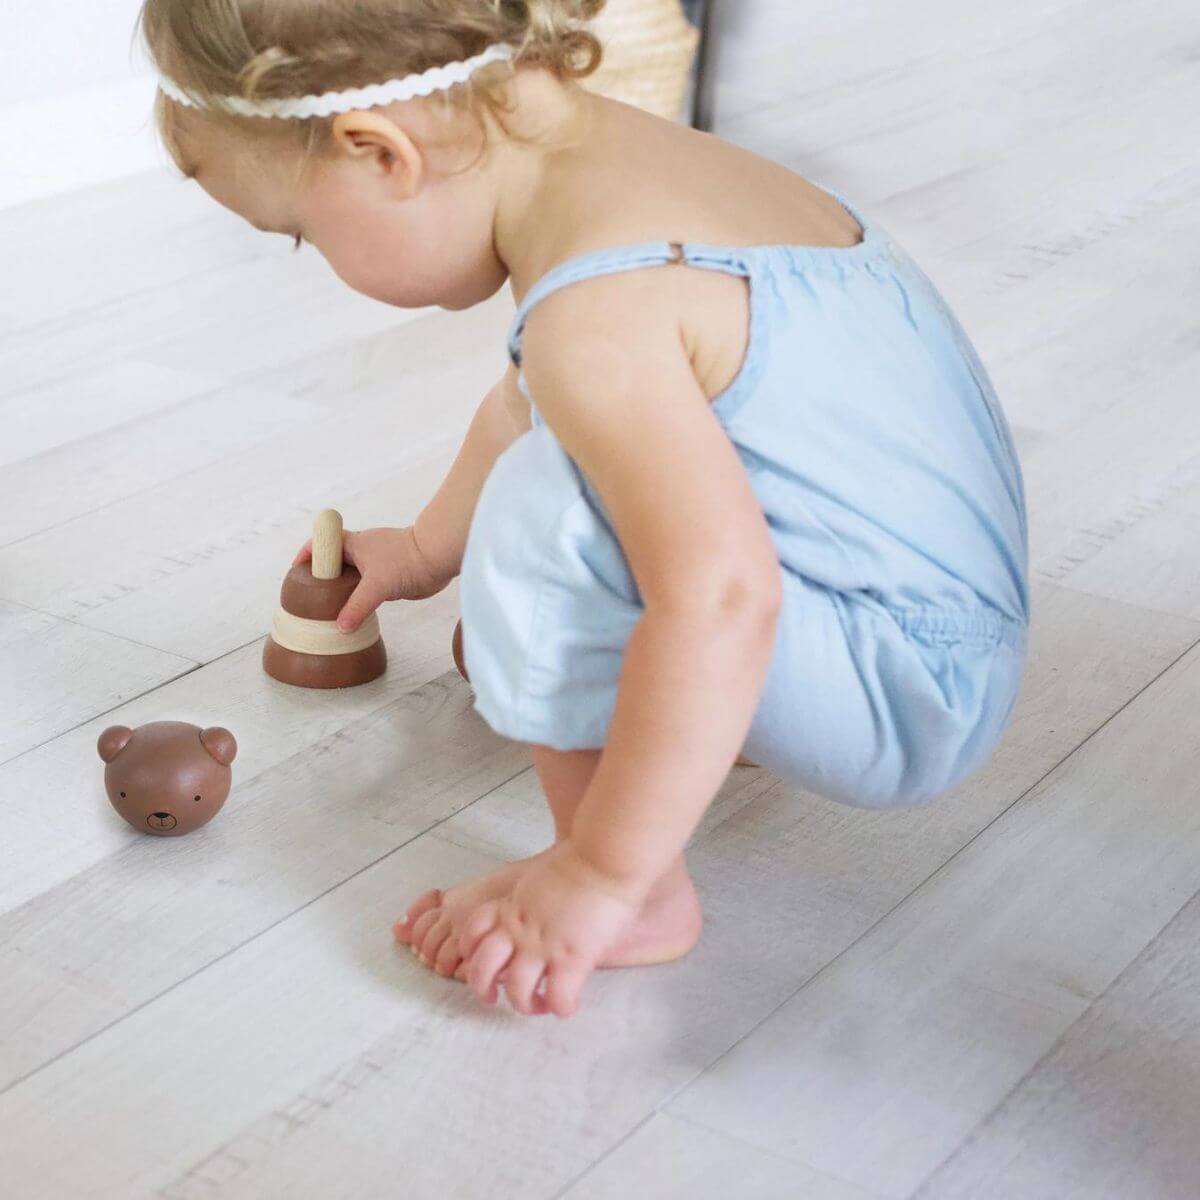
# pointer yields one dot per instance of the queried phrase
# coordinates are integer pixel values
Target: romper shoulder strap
(728, 259)
(591, 266)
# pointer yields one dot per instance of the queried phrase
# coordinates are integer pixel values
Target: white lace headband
(437, 79)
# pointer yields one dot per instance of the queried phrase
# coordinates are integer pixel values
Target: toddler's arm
(441, 529)
(420, 560)
(616, 385)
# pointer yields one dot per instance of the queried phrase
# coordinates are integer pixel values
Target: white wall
(75, 97)
(52, 43)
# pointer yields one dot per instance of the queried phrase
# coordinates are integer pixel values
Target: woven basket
(649, 49)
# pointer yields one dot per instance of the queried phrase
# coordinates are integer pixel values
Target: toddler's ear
(112, 741)
(372, 138)
(221, 744)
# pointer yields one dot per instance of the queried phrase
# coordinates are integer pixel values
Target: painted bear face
(167, 778)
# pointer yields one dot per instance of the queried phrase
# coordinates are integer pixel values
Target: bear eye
(122, 795)
(196, 798)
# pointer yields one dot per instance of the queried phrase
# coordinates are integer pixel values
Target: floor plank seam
(1065, 17)
(17, 335)
(1068, 586)
(15, 1083)
(1034, 257)
(607, 1154)
(1147, 194)
(1084, 544)
(765, 1150)
(140, 418)
(197, 666)
(150, 487)
(103, 712)
(681, 1088)
(979, 1126)
(122, 637)
(918, 62)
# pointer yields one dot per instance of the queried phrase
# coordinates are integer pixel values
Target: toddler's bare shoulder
(584, 324)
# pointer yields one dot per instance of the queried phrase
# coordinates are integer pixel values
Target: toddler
(745, 484)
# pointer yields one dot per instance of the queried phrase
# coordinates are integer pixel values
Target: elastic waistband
(940, 627)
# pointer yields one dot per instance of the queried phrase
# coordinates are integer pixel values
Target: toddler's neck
(545, 130)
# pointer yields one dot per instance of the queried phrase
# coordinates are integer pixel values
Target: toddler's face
(434, 247)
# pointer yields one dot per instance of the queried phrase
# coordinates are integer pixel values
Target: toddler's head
(397, 196)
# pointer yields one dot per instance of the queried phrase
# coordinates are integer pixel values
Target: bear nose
(160, 816)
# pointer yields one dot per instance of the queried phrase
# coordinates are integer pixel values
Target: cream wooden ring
(322, 637)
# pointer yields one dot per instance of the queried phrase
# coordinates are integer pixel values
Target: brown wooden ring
(324, 670)
(317, 599)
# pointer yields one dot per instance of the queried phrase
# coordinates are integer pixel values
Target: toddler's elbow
(750, 600)
(733, 600)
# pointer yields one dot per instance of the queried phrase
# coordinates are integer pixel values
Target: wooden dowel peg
(327, 545)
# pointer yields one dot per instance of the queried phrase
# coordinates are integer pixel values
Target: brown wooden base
(456, 648)
(324, 670)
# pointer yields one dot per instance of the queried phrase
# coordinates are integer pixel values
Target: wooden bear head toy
(167, 778)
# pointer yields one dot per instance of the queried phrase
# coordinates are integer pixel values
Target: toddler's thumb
(364, 600)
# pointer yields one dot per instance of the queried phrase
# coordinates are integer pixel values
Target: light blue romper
(887, 474)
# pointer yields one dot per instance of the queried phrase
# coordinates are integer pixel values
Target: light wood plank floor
(990, 997)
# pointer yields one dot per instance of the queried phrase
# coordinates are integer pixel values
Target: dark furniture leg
(704, 101)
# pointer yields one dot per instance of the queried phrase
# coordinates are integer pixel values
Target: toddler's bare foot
(667, 927)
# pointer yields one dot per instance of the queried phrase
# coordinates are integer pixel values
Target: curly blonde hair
(269, 49)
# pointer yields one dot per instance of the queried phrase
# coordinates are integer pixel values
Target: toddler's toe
(404, 928)
(422, 926)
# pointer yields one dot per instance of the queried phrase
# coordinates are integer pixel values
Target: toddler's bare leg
(564, 776)
(670, 921)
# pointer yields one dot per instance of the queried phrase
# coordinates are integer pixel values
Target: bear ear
(221, 744)
(112, 741)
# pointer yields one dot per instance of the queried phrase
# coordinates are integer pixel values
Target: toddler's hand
(392, 568)
(556, 923)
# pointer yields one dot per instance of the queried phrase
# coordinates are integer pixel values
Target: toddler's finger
(435, 939)
(350, 548)
(540, 1005)
(521, 978)
(449, 959)
(477, 926)
(364, 600)
(487, 962)
(564, 982)
(304, 555)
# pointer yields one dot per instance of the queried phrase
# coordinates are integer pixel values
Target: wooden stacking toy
(306, 648)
